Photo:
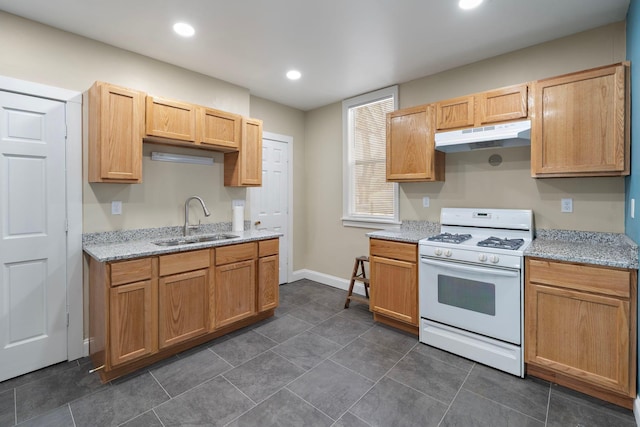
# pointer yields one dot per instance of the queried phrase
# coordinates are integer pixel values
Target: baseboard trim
(327, 279)
(636, 410)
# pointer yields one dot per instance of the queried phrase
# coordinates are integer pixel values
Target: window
(369, 200)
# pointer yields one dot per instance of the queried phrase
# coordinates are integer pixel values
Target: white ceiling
(342, 47)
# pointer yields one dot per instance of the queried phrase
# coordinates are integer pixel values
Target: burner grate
(496, 242)
(450, 238)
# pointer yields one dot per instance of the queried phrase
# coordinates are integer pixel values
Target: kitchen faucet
(187, 227)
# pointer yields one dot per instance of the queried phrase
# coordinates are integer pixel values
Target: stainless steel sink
(195, 239)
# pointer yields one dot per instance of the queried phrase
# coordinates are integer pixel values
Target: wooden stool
(359, 275)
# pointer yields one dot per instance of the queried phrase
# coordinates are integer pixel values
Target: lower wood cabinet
(133, 321)
(394, 283)
(183, 296)
(235, 292)
(580, 327)
(147, 309)
(184, 306)
(268, 274)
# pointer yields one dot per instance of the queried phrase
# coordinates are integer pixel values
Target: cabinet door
(268, 282)
(244, 168)
(580, 124)
(394, 289)
(235, 292)
(133, 320)
(219, 129)
(500, 105)
(455, 113)
(579, 334)
(116, 129)
(171, 119)
(183, 306)
(411, 154)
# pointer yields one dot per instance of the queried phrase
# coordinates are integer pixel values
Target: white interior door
(270, 203)
(33, 304)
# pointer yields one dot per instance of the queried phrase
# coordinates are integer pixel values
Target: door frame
(76, 347)
(253, 199)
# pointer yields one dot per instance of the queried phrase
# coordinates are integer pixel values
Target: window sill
(371, 223)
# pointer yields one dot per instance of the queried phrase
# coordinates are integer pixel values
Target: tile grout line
(73, 419)
(310, 404)
(454, 397)
(546, 417)
(505, 406)
(157, 416)
(374, 383)
(158, 382)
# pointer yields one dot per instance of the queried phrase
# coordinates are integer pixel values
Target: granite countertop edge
(130, 244)
(586, 247)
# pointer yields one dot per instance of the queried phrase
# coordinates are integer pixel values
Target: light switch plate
(425, 202)
(116, 207)
(567, 205)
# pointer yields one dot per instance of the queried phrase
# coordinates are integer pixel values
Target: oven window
(468, 294)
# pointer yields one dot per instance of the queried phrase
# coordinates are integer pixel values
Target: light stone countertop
(606, 249)
(129, 244)
(409, 232)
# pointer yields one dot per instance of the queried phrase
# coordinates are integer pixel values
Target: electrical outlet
(567, 205)
(116, 207)
(425, 202)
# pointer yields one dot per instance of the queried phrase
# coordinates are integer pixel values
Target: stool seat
(359, 275)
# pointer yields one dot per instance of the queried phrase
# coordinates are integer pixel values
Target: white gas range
(471, 285)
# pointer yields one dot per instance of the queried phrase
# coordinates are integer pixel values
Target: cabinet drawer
(235, 253)
(184, 261)
(595, 279)
(130, 271)
(394, 250)
(268, 247)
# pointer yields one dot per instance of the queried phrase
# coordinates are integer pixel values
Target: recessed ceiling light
(293, 74)
(469, 4)
(183, 29)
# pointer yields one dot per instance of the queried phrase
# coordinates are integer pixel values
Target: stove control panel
(507, 260)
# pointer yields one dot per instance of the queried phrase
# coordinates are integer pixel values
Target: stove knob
(482, 257)
(438, 251)
(494, 259)
(448, 253)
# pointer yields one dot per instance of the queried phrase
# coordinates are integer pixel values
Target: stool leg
(364, 276)
(353, 280)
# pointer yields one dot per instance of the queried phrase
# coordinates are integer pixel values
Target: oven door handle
(464, 267)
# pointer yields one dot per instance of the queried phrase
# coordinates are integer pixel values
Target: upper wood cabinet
(219, 129)
(494, 106)
(116, 129)
(580, 124)
(411, 154)
(171, 119)
(244, 168)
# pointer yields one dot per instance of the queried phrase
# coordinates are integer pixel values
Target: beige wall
(470, 180)
(38, 53)
(35, 52)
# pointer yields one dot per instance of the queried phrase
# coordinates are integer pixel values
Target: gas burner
(450, 238)
(496, 242)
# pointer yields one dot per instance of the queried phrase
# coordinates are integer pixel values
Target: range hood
(512, 134)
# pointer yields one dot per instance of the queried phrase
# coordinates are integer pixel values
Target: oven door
(484, 300)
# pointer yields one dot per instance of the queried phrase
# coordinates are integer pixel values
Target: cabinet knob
(257, 223)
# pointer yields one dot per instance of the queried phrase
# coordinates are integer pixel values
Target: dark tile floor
(313, 364)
